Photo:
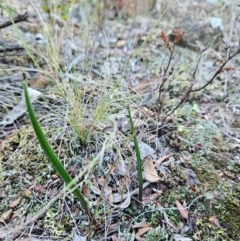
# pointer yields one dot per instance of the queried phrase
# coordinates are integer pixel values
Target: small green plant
(139, 160)
(63, 9)
(7, 7)
(159, 233)
(85, 122)
(53, 158)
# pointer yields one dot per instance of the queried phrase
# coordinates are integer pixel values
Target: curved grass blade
(53, 158)
(139, 160)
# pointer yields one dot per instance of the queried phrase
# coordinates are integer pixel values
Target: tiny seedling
(139, 160)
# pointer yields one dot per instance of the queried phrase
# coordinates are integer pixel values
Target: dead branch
(18, 18)
(11, 48)
(229, 57)
(190, 89)
(164, 80)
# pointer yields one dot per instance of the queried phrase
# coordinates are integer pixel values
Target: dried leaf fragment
(39, 82)
(160, 160)
(229, 68)
(142, 231)
(214, 221)
(149, 171)
(40, 189)
(182, 210)
(141, 224)
(6, 215)
(165, 39)
(14, 203)
(178, 33)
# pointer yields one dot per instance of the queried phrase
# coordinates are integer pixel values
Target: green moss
(227, 209)
(220, 200)
(207, 176)
(159, 233)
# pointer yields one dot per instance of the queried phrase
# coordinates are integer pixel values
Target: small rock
(200, 33)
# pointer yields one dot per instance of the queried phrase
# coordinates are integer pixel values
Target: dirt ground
(85, 63)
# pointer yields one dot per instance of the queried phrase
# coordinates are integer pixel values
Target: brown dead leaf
(214, 221)
(40, 189)
(142, 224)
(6, 215)
(31, 187)
(152, 137)
(101, 182)
(27, 193)
(178, 33)
(170, 223)
(165, 39)
(126, 181)
(150, 198)
(160, 160)
(142, 231)
(3, 195)
(145, 86)
(38, 82)
(14, 203)
(148, 112)
(76, 212)
(108, 194)
(73, 170)
(149, 171)
(182, 210)
(113, 226)
(85, 190)
(142, 88)
(17, 213)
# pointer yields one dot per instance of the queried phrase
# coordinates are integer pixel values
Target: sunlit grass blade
(52, 156)
(139, 160)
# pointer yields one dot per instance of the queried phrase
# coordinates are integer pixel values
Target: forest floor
(86, 69)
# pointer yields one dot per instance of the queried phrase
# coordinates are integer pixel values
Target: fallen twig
(15, 47)
(16, 19)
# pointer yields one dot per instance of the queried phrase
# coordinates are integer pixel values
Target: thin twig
(193, 81)
(217, 72)
(17, 19)
(164, 79)
(229, 57)
(11, 48)
(189, 90)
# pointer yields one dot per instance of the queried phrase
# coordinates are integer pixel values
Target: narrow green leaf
(52, 156)
(139, 160)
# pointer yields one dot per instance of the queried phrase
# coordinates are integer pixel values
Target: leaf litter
(170, 177)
